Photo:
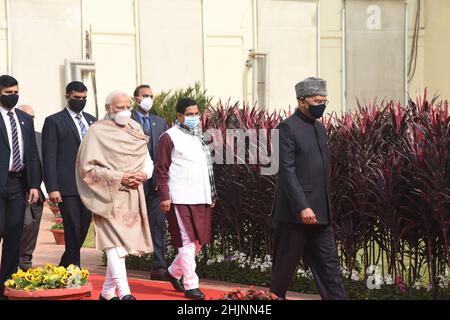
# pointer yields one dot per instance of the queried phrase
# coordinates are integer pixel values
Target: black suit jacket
(33, 168)
(39, 148)
(60, 143)
(158, 126)
(304, 170)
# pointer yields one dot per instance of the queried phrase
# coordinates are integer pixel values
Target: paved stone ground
(48, 252)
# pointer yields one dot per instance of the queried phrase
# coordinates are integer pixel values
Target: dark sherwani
(304, 182)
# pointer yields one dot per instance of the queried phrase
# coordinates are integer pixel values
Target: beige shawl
(120, 214)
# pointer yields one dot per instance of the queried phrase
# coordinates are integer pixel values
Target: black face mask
(10, 101)
(77, 105)
(317, 110)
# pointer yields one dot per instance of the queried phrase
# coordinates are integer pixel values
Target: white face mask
(122, 118)
(147, 104)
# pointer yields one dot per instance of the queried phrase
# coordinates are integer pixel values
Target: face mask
(9, 101)
(192, 122)
(122, 118)
(317, 111)
(146, 104)
(77, 105)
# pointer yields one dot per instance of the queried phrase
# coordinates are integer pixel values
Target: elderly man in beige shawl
(113, 162)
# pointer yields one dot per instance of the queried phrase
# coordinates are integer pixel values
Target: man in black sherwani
(302, 206)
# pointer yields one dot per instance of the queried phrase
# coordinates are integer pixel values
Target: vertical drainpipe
(137, 39)
(266, 81)
(318, 36)
(8, 36)
(255, 48)
(406, 54)
(343, 64)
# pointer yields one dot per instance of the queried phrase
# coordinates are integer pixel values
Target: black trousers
(316, 245)
(12, 212)
(76, 219)
(157, 221)
(31, 224)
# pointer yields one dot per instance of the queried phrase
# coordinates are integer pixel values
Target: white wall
(164, 45)
(112, 24)
(43, 34)
(287, 32)
(3, 38)
(171, 43)
(228, 39)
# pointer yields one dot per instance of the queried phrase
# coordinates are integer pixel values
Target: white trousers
(116, 274)
(184, 263)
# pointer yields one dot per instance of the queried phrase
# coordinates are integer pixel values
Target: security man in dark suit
(33, 213)
(302, 205)
(153, 127)
(20, 172)
(61, 136)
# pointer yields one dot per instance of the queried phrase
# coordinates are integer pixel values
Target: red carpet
(149, 290)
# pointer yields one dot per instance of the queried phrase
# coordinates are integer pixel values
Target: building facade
(251, 50)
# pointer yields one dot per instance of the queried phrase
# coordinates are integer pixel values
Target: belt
(15, 173)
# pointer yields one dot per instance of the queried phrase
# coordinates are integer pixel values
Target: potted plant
(58, 230)
(51, 283)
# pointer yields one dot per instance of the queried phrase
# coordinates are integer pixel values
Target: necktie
(148, 132)
(17, 162)
(81, 125)
(146, 125)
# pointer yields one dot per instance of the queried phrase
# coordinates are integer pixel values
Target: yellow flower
(49, 267)
(61, 270)
(39, 270)
(10, 284)
(84, 273)
(29, 277)
(19, 274)
(64, 279)
(37, 279)
(28, 288)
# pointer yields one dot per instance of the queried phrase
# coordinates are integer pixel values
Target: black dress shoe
(25, 267)
(176, 284)
(194, 294)
(128, 297)
(158, 274)
(103, 298)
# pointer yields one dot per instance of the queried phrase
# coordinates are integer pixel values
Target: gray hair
(114, 94)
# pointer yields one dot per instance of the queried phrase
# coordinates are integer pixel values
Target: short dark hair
(76, 86)
(7, 81)
(185, 103)
(138, 88)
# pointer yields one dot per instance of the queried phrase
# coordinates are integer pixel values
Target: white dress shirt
(19, 125)
(83, 119)
(148, 165)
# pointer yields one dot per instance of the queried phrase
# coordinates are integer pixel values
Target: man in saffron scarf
(113, 162)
